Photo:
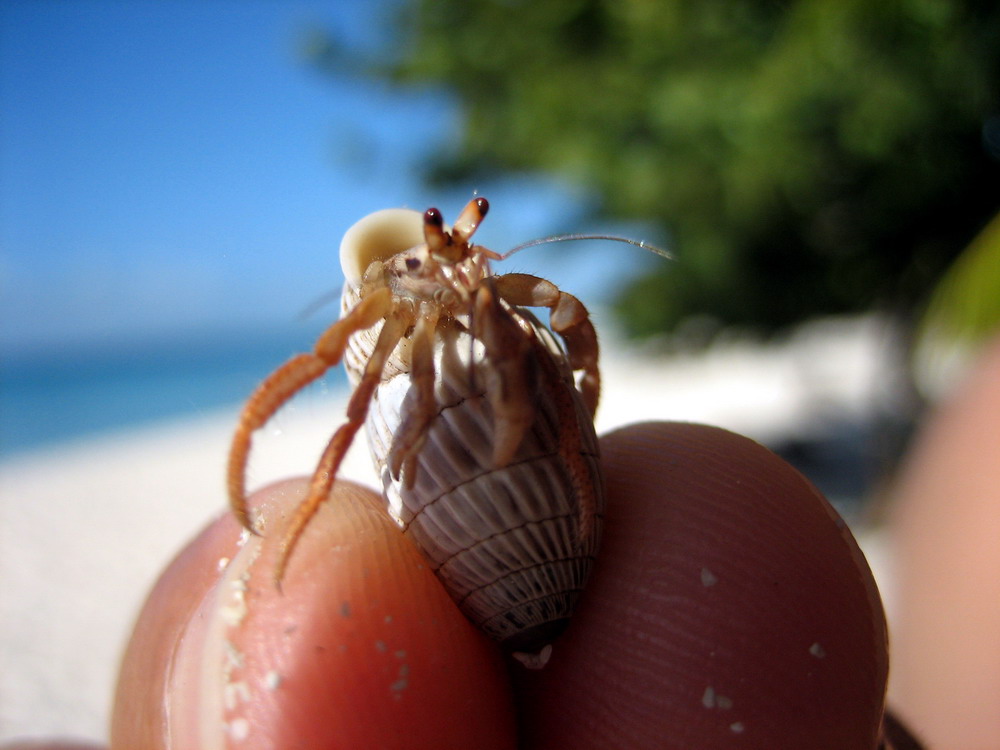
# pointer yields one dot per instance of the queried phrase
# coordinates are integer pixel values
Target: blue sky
(176, 166)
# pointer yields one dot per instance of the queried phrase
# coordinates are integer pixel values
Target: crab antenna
(318, 303)
(608, 237)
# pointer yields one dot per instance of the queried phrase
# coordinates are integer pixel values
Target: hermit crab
(479, 419)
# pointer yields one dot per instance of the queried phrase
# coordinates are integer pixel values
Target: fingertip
(50, 745)
(728, 603)
(139, 709)
(361, 647)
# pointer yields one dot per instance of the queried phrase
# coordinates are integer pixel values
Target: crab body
(478, 425)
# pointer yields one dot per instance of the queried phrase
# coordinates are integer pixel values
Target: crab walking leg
(567, 317)
(357, 409)
(420, 406)
(373, 307)
(511, 376)
(288, 380)
(280, 386)
(571, 446)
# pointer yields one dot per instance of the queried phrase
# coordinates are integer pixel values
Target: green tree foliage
(964, 310)
(806, 157)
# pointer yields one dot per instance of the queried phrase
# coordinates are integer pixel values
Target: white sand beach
(86, 526)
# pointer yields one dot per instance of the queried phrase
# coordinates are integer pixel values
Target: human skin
(729, 603)
(946, 527)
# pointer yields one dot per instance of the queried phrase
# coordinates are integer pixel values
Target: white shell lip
(378, 236)
(537, 660)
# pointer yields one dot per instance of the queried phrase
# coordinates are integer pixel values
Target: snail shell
(505, 541)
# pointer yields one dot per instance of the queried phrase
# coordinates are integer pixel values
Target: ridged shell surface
(504, 541)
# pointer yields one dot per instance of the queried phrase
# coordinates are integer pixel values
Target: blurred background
(175, 181)
(175, 177)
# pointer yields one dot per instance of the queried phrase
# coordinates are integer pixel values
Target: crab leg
(567, 317)
(420, 405)
(570, 446)
(357, 409)
(288, 380)
(512, 373)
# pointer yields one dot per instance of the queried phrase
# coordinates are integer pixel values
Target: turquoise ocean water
(49, 397)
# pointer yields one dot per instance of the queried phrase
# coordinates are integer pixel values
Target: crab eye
(412, 264)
